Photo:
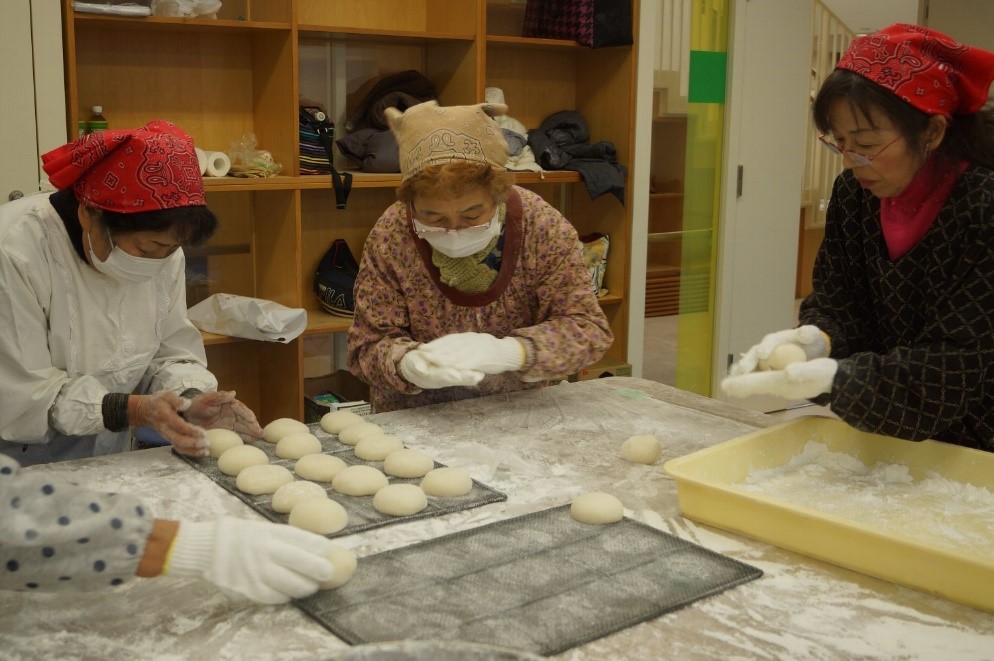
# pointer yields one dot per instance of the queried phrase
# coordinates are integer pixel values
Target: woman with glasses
(468, 285)
(899, 329)
(95, 337)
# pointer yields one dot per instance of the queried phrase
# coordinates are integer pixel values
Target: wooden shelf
(665, 196)
(530, 42)
(610, 299)
(390, 180)
(175, 24)
(320, 322)
(333, 33)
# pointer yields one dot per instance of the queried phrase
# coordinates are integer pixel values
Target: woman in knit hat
(468, 284)
(93, 303)
(899, 329)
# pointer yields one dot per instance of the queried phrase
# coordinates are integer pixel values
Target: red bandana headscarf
(926, 68)
(129, 170)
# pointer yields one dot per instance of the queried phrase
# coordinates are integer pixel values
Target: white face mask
(127, 268)
(460, 243)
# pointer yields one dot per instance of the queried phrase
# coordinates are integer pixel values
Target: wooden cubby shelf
(245, 73)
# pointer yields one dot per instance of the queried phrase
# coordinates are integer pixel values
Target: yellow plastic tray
(705, 489)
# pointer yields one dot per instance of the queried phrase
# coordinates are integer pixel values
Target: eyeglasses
(422, 229)
(860, 160)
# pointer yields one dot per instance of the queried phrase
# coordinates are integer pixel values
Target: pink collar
(906, 218)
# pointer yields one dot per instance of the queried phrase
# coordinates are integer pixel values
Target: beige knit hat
(429, 134)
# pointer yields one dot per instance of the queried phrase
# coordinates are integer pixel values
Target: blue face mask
(126, 268)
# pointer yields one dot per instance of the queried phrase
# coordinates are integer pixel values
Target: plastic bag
(251, 318)
(191, 8)
(248, 161)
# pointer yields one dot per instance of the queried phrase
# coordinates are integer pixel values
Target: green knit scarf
(469, 274)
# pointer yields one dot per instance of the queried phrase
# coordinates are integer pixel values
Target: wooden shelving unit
(244, 72)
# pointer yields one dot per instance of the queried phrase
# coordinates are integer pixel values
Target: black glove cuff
(114, 408)
(190, 393)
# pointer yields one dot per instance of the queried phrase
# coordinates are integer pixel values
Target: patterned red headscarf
(129, 170)
(926, 68)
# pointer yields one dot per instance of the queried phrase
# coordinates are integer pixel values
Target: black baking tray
(362, 514)
(542, 583)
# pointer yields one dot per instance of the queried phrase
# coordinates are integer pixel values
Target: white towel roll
(201, 160)
(218, 164)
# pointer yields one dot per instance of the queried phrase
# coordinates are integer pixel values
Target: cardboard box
(602, 369)
(338, 391)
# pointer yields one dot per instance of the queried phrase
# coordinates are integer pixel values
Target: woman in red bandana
(93, 305)
(899, 329)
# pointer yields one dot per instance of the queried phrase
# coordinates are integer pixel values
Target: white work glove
(220, 410)
(266, 562)
(416, 368)
(476, 351)
(795, 381)
(810, 338)
(161, 412)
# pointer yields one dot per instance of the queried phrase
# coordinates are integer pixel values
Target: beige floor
(659, 358)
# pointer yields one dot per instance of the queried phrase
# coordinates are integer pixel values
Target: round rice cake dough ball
(344, 562)
(235, 460)
(263, 478)
(292, 493)
(297, 444)
(642, 449)
(400, 500)
(447, 482)
(359, 481)
(352, 434)
(320, 515)
(597, 508)
(783, 355)
(336, 421)
(319, 467)
(407, 464)
(280, 427)
(377, 448)
(220, 440)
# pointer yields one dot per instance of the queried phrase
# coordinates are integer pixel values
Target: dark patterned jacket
(914, 337)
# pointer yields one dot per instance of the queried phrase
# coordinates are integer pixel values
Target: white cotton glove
(416, 368)
(476, 351)
(810, 338)
(266, 562)
(796, 381)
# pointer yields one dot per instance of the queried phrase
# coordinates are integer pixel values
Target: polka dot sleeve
(58, 536)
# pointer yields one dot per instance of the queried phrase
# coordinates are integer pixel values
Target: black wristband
(114, 408)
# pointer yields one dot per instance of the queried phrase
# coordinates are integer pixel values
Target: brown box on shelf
(353, 395)
(602, 369)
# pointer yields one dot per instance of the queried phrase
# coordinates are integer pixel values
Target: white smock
(71, 335)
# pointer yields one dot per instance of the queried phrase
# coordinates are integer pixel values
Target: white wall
(968, 21)
(870, 15)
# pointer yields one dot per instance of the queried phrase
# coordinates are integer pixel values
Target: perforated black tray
(362, 514)
(540, 583)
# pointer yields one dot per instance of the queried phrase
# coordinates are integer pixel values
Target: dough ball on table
(344, 562)
(292, 493)
(783, 355)
(642, 449)
(352, 434)
(297, 444)
(447, 482)
(400, 500)
(280, 427)
(336, 421)
(262, 478)
(220, 440)
(377, 448)
(596, 507)
(240, 457)
(359, 481)
(407, 464)
(319, 467)
(321, 515)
